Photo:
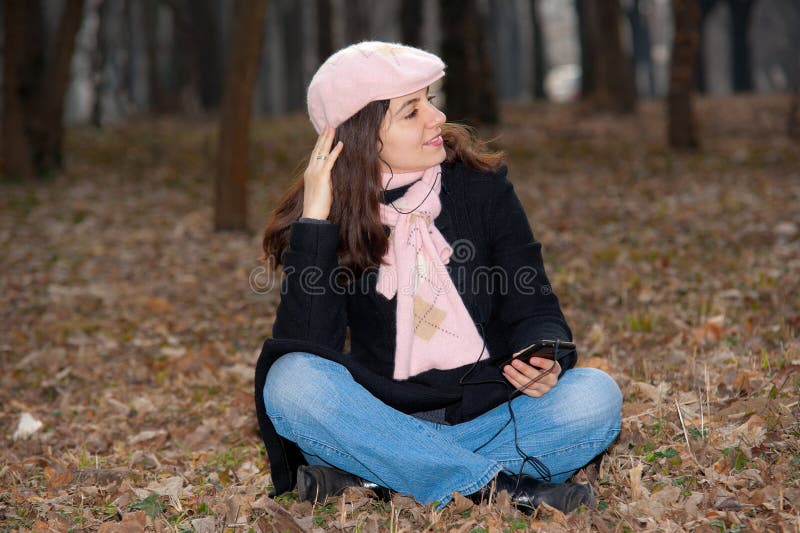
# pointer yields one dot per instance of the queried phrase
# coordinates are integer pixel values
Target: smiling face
(411, 134)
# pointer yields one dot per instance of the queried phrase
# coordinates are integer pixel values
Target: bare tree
(585, 41)
(642, 49)
(682, 127)
(411, 21)
(324, 29)
(35, 83)
(741, 15)
(230, 201)
(469, 84)
(700, 68)
(539, 53)
(611, 86)
(357, 20)
(793, 123)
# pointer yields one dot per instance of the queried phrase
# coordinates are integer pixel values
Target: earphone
(539, 466)
(385, 190)
(536, 464)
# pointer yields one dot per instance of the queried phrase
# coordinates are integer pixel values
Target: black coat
(484, 222)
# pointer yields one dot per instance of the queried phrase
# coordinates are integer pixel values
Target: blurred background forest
(105, 62)
(655, 145)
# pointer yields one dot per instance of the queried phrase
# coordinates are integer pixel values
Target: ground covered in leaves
(129, 329)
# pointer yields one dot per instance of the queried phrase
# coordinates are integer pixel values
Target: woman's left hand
(519, 373)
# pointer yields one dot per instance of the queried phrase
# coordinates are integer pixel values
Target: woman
(405, 231)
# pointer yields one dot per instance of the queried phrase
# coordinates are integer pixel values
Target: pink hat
(364, 72)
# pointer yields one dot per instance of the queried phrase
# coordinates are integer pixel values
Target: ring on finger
(322, 156)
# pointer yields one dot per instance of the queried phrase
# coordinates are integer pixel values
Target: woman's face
(411, 134)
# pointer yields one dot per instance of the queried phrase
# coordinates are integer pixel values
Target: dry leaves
(129, 330)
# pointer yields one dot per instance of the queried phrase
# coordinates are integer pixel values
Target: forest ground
(130, 329)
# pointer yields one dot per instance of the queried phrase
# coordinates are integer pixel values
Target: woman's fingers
(331, 158)
(318, 145)
(520, 374)
(318, 187)
(322, 147)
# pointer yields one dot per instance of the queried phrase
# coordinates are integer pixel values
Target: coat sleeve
(311, 307)
(528, 305)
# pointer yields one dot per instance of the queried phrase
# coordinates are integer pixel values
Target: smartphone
(546, 349)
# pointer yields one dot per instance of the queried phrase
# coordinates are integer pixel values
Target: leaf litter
(130, 329)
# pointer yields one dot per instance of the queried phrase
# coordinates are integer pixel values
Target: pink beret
(364, 72)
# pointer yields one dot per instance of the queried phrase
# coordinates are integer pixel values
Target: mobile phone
(546, 349)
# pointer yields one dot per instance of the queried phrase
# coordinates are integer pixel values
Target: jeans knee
(599, 395)
(299, 385)
(284, 385)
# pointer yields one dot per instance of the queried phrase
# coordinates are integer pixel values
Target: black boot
(316, 483)
(527, 492)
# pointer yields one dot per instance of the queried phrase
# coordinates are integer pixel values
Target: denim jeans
(335, 421)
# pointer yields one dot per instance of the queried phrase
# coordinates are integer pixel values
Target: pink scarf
(434, 328)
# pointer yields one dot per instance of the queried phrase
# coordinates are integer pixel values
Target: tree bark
(23, 61)
(411, 21)
(585, 38)
(539, 53)
(793, 124)
(324, 30)
(293, 47)
(57, 81)
(206, 35)
(469, 84)
(682, 127)
(642, 50)
(357, 22)
(98, 56)
(230, 202)
(155, 96)
(741, 11)
(700, 65)
(34, 87)
(614, 88)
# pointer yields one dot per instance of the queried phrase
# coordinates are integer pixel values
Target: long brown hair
(357, 191)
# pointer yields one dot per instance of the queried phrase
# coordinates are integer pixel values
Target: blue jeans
(335, 421)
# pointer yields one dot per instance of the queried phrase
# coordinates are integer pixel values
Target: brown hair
(357, 191)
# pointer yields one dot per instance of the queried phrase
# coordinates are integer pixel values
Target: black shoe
(316, 483)
(527, 492)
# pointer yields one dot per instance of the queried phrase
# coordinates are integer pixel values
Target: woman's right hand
(318, 187)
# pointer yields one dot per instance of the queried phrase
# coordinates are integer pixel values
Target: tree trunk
(324, 30)
(539, 53)
(614, 87)
(700, 65)
(682, 128)
(356, 23)
(155, 96)
(99, 63)
(34, 88)
(585, 38)
(230, 207)
(642, 50)
(411, 21)
(741, 11)
(56, 83)
(469, 84)
(206, 35)
(293, 45)
(793, 124)
(23, 61)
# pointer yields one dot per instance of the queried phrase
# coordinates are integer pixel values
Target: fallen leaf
(638, 491)
(461, 503)
(27, 426)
